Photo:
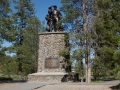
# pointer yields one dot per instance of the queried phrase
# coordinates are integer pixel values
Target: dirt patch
(7, 85)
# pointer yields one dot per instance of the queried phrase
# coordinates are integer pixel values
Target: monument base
(46, 77)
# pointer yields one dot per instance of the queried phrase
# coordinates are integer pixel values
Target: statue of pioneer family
(52, 18)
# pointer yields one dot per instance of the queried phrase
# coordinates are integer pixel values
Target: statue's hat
(55, 6)
(50, 7)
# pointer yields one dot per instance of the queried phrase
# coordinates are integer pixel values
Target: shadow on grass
(10, 80)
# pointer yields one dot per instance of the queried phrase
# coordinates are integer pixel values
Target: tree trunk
(87, 47)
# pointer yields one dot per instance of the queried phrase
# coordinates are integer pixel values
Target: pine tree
(27, 26)
(106, 32)
(6, 22)
(101, 39)
(6, 31)
(77, 18)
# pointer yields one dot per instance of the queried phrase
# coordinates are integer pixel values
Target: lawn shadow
(10, 80)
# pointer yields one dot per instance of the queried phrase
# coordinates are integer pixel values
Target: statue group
(52, 18)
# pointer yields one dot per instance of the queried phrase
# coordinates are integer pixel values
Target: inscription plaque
(51, 63)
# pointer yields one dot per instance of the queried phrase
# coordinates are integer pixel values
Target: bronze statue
(49, 23)
(52, 18)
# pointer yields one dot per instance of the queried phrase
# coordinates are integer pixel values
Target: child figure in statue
(52, 18)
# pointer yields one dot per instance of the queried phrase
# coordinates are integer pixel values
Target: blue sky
(41, 6)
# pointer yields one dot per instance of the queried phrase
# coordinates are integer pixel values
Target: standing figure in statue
(49, 20)
(56, 17)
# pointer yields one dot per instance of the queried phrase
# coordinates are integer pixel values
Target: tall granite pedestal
(49, 62)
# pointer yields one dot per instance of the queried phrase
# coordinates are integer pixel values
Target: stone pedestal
(49, 62)
(46, 77)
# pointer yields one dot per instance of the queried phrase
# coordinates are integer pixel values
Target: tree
(106, 34)
(116, 69)
(25, 45)
(79, 66)
(77, 18)
(6, 21)
(6, 31)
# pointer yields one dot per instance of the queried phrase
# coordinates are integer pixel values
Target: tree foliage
(106, 35)
(6, 29)
(77, 18)
(26, 43)
(94, 27)
(20, 28)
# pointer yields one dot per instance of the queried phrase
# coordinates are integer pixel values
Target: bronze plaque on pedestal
(51, 63)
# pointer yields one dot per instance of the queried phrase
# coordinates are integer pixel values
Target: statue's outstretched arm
(47, 18)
